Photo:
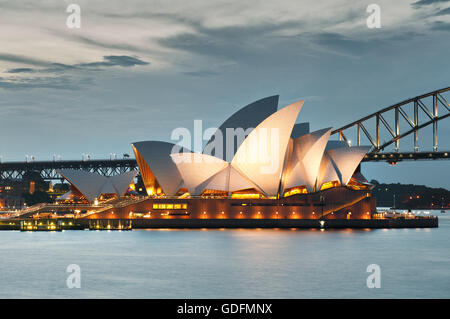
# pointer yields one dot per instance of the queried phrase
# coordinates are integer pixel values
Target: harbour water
(234, 263)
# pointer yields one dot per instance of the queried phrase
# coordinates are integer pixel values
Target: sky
(136, 70)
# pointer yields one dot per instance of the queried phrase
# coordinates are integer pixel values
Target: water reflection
(230, 263)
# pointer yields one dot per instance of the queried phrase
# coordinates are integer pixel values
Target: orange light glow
(329, 185)
(243, 196)
(296, 190)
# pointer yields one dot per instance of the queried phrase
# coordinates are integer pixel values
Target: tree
(37, 197)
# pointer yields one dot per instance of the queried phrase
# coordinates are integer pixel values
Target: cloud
(115, 60)
(341, 43)
(109, 61)
(204, 73)
(229, 41)
(440, 26)
(101, 44)
(427, 2)
(443, 12)
(22, 59)
(21, 70)
(64, 83)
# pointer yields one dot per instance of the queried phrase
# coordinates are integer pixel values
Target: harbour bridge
(382, 129)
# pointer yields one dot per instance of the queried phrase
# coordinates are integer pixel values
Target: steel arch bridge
(47, 169)
(415, 114)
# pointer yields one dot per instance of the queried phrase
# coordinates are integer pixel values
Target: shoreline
(117, 224)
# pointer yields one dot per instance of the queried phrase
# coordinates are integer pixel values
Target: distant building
(11, 193)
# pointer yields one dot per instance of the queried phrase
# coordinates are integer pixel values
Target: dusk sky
(136, 70)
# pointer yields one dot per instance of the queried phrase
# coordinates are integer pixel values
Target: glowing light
(243, 196)
(329, 185)
(296, 190)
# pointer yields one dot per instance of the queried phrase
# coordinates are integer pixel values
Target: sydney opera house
(259, 164)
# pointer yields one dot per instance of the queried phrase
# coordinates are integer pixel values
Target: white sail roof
(108, 188)
(89, 184)
(306, 157)
(196, 168)
(261, 156)
(92, 185)
(219, 181)
(156, 155)
(239, 181)
(327, 172)
(229, 180)
(331, 145)
(277, 154)
(246, 118)
(346, 160)
(122, 181)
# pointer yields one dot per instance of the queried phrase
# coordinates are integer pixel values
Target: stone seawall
(254, 223)
(285, 223)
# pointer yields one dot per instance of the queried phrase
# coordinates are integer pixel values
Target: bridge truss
(47, 169)
(400, 120)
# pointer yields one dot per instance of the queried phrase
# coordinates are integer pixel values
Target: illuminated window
(329, 185)
(295, 190)
(169, 206)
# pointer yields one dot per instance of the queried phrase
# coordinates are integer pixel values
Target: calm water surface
(414, 263)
